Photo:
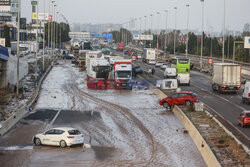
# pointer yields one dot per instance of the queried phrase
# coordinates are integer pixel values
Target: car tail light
(248, 94)
(223, 88)
(70, 137)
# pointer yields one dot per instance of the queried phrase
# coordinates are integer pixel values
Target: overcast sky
(120, 11)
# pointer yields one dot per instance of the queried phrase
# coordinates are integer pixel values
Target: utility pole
(187, 30)
(224, 24)
(18, 46)
(202, 31)
(175, 29)
(166, 33)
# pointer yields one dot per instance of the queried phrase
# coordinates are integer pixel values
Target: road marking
(51, 123)
(219, 97)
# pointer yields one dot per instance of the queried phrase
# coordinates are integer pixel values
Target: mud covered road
(124, 128)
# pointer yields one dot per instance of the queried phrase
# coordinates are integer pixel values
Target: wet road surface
(124, 128)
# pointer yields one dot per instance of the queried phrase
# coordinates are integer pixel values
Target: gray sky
(114, 11)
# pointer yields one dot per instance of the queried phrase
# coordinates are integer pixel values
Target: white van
(151, 61)
(170, 73)
(246, 93)
(183, 79)
(167, 84)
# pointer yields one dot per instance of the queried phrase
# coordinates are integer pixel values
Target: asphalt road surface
(124, 128)
(228, 106)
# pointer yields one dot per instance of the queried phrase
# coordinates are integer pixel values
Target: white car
(164, 65)
(152, 62)
(158, 64)
(63, 137)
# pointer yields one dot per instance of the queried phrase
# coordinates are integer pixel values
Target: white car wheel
(63, 144)
(37, 142)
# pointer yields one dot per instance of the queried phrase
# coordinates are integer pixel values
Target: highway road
(226, 106)
(120, 128)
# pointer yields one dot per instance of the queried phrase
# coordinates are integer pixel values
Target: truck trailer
(97, 73)
(226, 77)
(148, 55)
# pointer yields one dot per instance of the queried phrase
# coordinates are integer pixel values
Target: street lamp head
(53, 1)
(166, 11)
(175, 8)
(187, 5)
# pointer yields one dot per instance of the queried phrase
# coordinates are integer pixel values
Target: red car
(244, 118)
(179, 98)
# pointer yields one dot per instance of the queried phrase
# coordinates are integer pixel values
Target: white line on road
(51, 123)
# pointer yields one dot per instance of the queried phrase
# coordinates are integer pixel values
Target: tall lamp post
(43, 33)
(202, 31)
(224, 24)
(18, 44)
(51, 27)
(187, 30)
(175, 29)
(165, 48)
(158, 27)
(145, 24)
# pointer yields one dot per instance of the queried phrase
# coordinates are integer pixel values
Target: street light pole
(158, 27)
(145, 24)
(202, 31)
(175, 29)
(187, 30)
(166, 33)
(18, 46)
(37, 44)
(54, 28)
(43, 34)
(51, 28)
(151, 23)
(224, 24)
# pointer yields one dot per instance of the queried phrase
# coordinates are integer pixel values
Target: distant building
(95, 28)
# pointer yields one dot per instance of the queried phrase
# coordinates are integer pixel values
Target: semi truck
(97, 73)
(148, 55)
(226, 77)
(92, 55)
(120, 46)
(76, 48)
(122, 72)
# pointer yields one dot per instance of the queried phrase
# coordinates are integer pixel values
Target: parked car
(158, 64)
(63, 137)
(246, 93)
(244, 118)
(180, 98)
(139, 56)
(152, 62)
(164, 65)
(126, 52)
(137, 70)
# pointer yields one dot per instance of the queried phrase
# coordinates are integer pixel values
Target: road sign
(247, 43)
(210, 61)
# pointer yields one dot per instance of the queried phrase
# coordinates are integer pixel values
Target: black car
(126, 52)
(137, 70)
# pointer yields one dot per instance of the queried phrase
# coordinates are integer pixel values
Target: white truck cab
(246, 93)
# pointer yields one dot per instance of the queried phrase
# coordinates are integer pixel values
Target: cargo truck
(97, 73)
(226, 77)
(122, 74)
(148, 55)
(120, 46)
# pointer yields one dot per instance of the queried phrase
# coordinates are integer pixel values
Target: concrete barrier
(18, 115)
(199, 141)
